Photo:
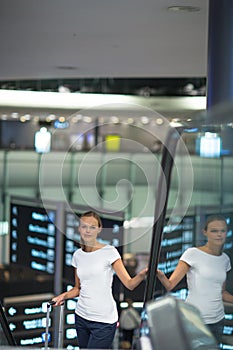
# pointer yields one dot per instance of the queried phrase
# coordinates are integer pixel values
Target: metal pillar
(220, 53)
(60, 219)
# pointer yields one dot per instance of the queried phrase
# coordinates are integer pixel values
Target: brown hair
(212, 218)
(94, 215)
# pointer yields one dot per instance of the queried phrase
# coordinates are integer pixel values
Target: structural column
(220, 53)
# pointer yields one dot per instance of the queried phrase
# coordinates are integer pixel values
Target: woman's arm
(226, 296)
(179, 273)
(128, 282)
(72, 293)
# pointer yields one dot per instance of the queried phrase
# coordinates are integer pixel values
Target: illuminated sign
(177, 237)
(32, 237)
(27, 318)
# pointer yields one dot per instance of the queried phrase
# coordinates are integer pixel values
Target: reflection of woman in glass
(95, 264)
(206, 268)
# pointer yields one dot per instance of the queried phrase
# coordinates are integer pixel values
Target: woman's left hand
(143, 272)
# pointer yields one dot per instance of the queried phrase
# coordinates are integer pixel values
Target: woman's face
(89, 229)
(216, 232)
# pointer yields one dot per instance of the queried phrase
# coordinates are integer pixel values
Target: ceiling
(102, 39)
(145, 46)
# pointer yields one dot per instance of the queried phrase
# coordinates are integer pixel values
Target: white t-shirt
(95, 272)
(205, 278)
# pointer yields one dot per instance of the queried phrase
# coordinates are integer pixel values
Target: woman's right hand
(58, 300)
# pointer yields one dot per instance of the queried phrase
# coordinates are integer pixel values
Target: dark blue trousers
(217, 330)
(94, 335)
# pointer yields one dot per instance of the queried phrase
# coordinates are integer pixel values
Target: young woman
(206, 268)
(95, 264)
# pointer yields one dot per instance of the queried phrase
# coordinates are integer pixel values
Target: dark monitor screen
(17, 135)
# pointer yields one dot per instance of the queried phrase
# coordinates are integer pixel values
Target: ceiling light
(175, 124)
(23, 119)
(67, 67)
(42, 99)
(14, 115)
(48, 119)
(27, 116)
(130, 120)
(144, 120)
(63, 89)
(101, 120)
(87, 119)
(183, 8)
(52, 117)
(76, 118)
(115, 120)
(159, 121)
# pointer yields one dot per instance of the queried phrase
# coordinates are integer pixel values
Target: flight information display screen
(177, 237)
(27, 319)
(32, 237)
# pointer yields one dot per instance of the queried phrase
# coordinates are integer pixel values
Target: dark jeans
(94, 335)
(217, 330)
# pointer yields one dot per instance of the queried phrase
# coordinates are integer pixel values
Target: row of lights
(143, 120)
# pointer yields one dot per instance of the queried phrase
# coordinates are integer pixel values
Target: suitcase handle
(60, 333)
(52, 302)
(49, 304)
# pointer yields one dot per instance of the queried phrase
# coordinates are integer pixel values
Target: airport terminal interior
(146, 141)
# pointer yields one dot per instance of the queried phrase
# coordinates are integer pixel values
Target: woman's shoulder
(107, 253)
(110, 248)
(226, 256)
(189, 252)
(112, 252)
(77, 251)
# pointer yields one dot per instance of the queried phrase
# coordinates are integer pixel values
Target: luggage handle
(49, 304)
(60, 339)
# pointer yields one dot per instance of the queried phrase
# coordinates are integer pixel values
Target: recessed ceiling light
(144, 120)
(67, 67)
(184, 8)
(14, 115)
(159, 121)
